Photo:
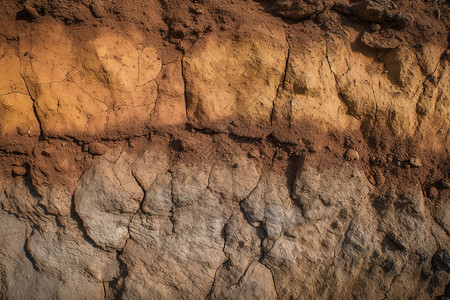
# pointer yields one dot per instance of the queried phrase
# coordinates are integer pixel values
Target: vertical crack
(208, 296)
(282, 85)
(392, 282)
(336, 79)
(273, 278)
(171, 216)
(419, 119)
(183, 75)
(28, 254)
(41, 126)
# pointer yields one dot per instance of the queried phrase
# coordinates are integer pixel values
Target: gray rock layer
(149, 227)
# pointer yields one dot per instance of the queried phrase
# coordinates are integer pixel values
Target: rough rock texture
(224, 149)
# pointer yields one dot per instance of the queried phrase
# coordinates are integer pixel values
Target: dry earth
(237, 149)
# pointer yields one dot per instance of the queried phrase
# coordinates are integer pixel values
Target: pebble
(79, 157)
(48, 152)
(253, 153)
(433, 193)
(380, 179)
(415, 162)
(19, 171)
(351, 154)
(374, 28)
(312, 148)
(31, 10)
(96, 148)
(97, 9)
(131, 143)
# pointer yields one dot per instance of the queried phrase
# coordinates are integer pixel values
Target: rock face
(197, 234)
(224, 76)
(224, 149)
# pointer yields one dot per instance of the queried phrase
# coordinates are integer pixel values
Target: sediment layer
(237, 149)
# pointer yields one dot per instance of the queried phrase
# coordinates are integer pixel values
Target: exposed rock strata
(224, 149)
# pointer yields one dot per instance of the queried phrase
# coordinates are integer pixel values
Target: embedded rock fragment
(106, 198)
(381, 11)
(380, 42)
(297, 9)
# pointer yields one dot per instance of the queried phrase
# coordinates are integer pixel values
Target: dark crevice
(183, 75)
(79, 222)
(427, 78)
(224, 236)
(117, 285)
(41, 126)
(273, 278)
(28, 254)
(171, 216)
(282, 85)
(245, 139)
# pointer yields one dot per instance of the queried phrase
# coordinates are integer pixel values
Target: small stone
(253, 153)
(22, 130)
(97, 148)
(372, 180)
(374, 28)
(97, 9)
(433, 192)
(281, 155)
(79, 157)
(377, 41)
(62, 165)
(380, 179)
(47, 152)
(19, 171)
(31, 10)
(415, 162)
(85, 148)
(351, 154)
(131, 143)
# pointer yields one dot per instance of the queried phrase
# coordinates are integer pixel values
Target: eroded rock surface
(283, 149)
